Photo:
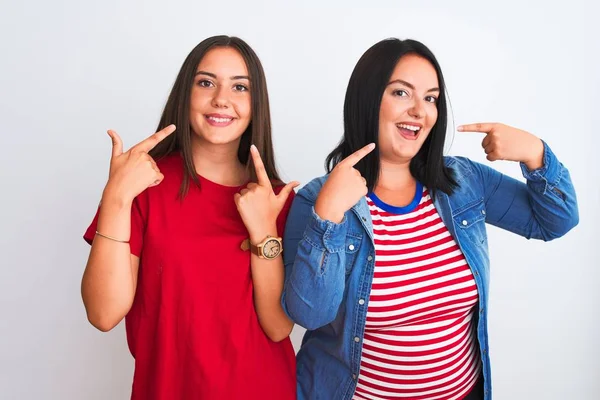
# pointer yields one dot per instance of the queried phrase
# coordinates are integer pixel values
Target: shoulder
(311, 190)
(462, 168)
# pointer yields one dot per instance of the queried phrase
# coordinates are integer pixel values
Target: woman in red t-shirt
(185, 244)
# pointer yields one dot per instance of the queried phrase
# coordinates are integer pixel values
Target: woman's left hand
(258, 205)
(503, 142)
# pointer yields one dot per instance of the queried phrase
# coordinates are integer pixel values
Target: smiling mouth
(218, 121)
(410, 132)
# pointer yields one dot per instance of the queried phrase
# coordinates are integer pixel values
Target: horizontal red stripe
(466, 385)
(457, 320)
(396, 221)
(397, 232)
(420, 278)
(464, 354)
(462, 304)
(423, 381)
(427, 288)
(409, 250)
(423, 257)
(426, 299)
(461, 332)
(399, 242)
(385, 358)
(419, 269)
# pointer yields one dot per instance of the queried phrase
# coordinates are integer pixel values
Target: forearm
(536, 156)
(267, 281)
(108, 284)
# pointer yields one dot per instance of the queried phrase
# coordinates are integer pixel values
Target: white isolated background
(72, 69)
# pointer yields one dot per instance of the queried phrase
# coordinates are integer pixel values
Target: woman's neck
(396, 186)
(219, 163)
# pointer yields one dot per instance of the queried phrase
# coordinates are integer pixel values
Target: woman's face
(408, 109)
(220, 103)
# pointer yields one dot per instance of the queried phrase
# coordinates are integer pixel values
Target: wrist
(113, 197)
(325, 214)
(260, 234)
(536, 160)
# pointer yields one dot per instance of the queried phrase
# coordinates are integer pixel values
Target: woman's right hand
(133, 171)
(344, 187)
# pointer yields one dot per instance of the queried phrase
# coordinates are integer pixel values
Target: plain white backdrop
(69, 70)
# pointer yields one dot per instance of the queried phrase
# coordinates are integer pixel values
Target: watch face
(271, 248)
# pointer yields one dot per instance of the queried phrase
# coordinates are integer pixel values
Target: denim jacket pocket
(470, 221)
(353, 242)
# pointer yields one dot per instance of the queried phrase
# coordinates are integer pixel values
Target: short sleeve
(139, 213)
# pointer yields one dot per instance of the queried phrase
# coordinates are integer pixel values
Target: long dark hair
(361, 116)
(177, 111)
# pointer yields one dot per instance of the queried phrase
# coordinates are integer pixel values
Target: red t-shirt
(193, 329)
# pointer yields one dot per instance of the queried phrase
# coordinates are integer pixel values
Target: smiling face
(408, 109)
(220, 102)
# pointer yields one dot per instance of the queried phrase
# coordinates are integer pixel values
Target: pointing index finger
(149, 143)
(358, 155)
(259, 167)
(479, 127)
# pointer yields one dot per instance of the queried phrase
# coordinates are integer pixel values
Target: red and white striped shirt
(420, 340)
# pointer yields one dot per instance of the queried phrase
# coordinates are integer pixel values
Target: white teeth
(409, 127)
(220, 120)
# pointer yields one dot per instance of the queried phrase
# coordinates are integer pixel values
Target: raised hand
(133, 171)
(258, 205)
(503, 142)
(344, 187)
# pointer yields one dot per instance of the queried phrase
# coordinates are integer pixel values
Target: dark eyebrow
(206, 73)
(410, 86)
(233, 78)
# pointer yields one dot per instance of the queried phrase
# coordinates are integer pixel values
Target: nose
(417, 110)
(220, 99)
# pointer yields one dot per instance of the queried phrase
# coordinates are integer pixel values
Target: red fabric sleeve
(139, 213)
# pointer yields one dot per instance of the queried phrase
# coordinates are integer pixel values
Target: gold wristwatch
(269, 248)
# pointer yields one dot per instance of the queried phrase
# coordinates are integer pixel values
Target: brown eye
(205, 83)
(400, 93)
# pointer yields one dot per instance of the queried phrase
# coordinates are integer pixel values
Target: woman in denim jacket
(386, 256)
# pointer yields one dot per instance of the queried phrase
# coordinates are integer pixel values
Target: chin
(221, 140)
(404, 154)
(219, 137)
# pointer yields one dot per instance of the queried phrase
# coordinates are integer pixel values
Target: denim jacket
(329, 266)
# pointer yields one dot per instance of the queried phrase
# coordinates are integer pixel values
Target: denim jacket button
(357, 339)
(354, 376)
(464, 222)
(351, 247)
(361, 301)
(369, 258)
(483, 212)
(364, 219)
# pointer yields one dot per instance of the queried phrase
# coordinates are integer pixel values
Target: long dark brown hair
(177, 111)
